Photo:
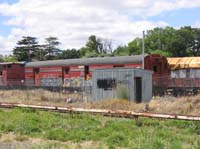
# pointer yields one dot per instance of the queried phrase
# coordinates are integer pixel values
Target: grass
(99, 131)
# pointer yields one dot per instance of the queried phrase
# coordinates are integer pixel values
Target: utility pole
(143, 35)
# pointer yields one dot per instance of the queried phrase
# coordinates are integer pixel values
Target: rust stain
(112, 113)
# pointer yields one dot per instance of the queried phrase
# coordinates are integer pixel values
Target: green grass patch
(113, 132)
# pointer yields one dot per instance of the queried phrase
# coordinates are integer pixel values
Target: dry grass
(37, 96)
(174, 105)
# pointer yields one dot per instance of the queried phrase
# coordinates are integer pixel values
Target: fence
(16, 91)
(166, 85)
(20, 91)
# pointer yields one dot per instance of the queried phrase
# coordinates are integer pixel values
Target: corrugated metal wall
(185, 73)
(124, 79)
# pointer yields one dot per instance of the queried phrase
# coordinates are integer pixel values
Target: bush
(122, 92)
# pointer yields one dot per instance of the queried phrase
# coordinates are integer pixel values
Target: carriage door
(36, 76)
(87, 71)
(65, 74)
(138, 89)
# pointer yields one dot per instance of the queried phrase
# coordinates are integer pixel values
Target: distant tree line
(165, 41)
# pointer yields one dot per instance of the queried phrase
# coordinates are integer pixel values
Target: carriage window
(106, 84)
(87, 71)
(165, 65)
(36, 70)
(118, 66)
(187, 73)
(155, 68)
(67, 70)
(9, 66)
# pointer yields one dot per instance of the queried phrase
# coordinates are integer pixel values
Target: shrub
(122, 92)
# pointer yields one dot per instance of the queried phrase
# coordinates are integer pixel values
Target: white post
(143, 49)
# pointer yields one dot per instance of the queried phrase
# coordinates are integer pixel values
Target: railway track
(105, 112)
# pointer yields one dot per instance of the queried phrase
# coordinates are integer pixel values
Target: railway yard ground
(29, 128)
(186, 105)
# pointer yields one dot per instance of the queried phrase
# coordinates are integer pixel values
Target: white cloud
(197, 24)
(73, 21)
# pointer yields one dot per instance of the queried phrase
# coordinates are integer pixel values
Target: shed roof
(8, 63)
(88, 61)
(184, 62)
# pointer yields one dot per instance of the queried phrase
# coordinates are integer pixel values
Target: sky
(73, 21)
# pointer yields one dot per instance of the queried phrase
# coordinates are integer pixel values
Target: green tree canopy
(51, 48)
(26, 48)
(96, 47)
(69, 54)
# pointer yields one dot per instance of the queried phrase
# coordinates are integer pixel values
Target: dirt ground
(188, 105)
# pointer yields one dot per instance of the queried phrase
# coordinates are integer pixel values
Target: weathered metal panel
(124, 79)
(29, 82)
(51, 82)
(180, 73)
(194, 73)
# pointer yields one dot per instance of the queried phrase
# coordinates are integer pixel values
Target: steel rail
(105, 112)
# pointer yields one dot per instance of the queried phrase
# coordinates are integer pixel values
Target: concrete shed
(132, 83)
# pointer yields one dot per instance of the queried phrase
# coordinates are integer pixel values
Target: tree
(181, 43)
(159, 39)
(169, 42)
(41, 52)
(51, 47)
(195, 47)
(135, 47)
(161, 52)
(106, 46)
(1, 58)
(69, 54)
(121, 51)
(26, 48)
(83, 51)
(10, 58)
(94, 44)
(96, 47)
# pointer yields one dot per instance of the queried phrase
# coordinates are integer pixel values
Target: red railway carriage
(11, 73)
(72, 71)
(183, 79)
(157, 63)
(185, 74)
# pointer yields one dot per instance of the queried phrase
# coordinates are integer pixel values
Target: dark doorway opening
(86, 68)
(36, 76)
(138, 89)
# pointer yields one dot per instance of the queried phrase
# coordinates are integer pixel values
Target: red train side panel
(12, 73)
(50, 73)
